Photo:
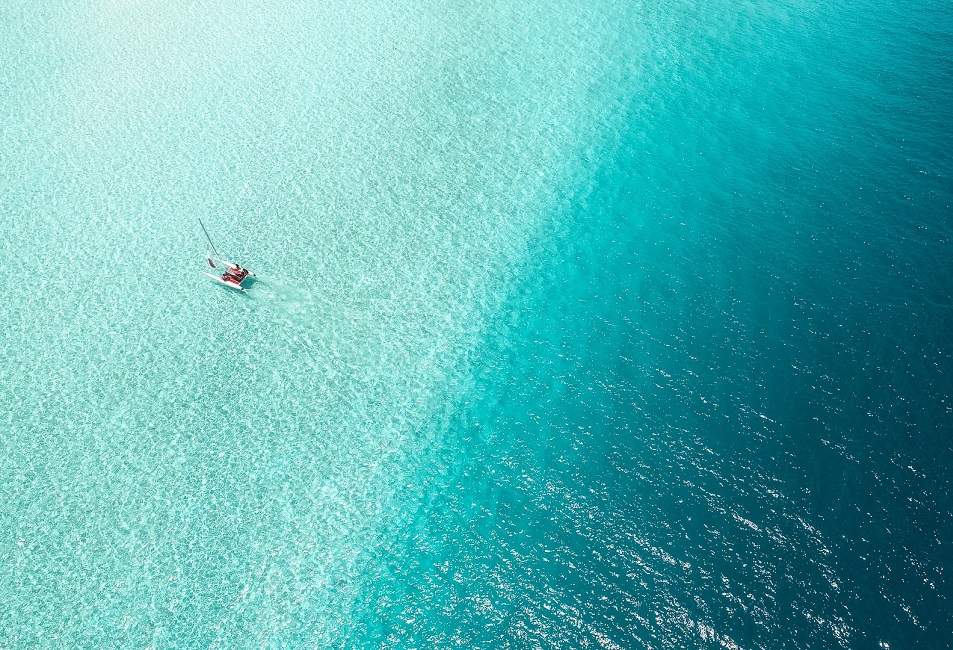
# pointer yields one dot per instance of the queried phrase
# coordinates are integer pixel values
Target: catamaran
(232, 275)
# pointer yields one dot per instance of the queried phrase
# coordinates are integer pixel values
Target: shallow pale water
(621, 325)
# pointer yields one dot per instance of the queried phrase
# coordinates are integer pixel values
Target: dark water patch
(717, 411)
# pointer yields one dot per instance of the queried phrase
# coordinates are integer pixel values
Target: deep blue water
(717, 412)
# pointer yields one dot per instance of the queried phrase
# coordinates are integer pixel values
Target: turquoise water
(620, 325)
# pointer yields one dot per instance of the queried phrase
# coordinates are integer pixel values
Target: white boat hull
(226, 283)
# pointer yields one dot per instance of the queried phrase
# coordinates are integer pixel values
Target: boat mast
(208, 238)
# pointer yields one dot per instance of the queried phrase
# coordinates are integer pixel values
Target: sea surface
(610, 324)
